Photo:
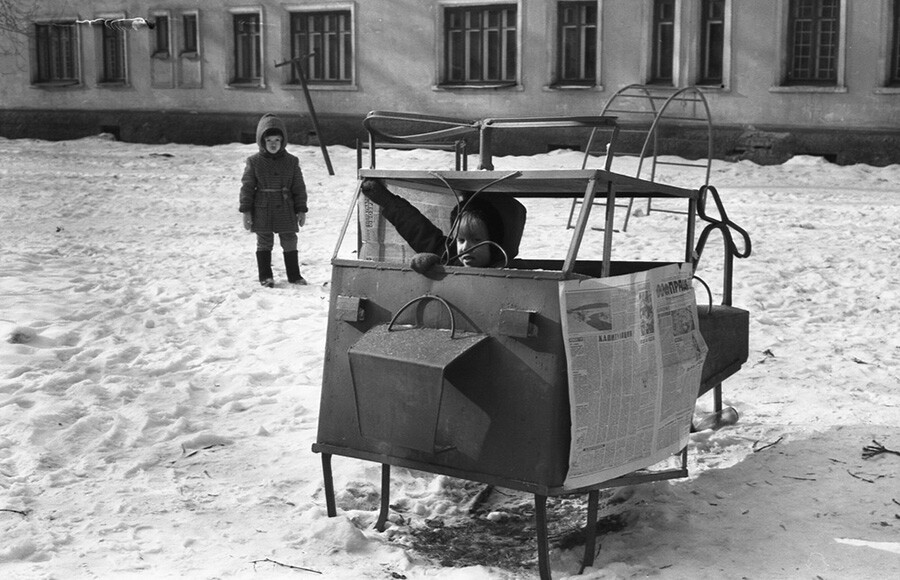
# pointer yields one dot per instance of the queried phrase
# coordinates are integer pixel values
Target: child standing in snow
(273, 200)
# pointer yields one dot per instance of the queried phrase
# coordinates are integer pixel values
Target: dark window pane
(323, 40)
(712, 42)
(480, 44)
(813, 42)
(189, 32)
(663, 41)
(55, 53)
(577, 42)
(894, 78)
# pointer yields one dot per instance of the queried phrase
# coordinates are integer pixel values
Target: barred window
(813, 27)
(55, 53)
(712, 42)
(112, 43)
(327, 39)
(247, 49)
(662, 62)
(577, 42)
(481, 45)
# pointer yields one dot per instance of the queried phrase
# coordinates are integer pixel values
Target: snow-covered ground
(157, 407)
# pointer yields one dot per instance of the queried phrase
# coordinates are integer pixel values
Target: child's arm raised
(415, 228)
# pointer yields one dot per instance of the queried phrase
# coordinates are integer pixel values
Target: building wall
(398, 48)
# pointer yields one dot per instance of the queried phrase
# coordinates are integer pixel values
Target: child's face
(273, 143)
(473, 231)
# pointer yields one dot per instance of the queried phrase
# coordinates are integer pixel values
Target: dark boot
(264, 265)
(292, 267)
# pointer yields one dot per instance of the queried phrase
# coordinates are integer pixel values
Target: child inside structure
(479, 235)
(273, 200)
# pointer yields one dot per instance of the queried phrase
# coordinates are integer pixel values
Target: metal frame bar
(587, 202)
(489, 125)
(541, 494)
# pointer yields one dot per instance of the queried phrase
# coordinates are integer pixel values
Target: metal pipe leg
(329, 485)
(385, 497)
(540, 517)
(717, 398)
(590, 531)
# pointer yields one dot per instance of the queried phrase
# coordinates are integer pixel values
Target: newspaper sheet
(635, 355)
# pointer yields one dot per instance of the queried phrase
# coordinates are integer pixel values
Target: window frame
(74, 44)
(184, 50)
(704, 78)
(586, 46)
(443, 43)
(892, 80)
(105, 36)
(346, 59)
(656, 60)
(782, 55)
(819, 50)
(165, 52)
(235, 78)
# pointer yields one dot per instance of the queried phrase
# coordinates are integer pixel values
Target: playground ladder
(634, 106)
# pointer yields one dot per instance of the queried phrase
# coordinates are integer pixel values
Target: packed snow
(158, 407)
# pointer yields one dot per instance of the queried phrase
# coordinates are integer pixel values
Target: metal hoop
(427, 297)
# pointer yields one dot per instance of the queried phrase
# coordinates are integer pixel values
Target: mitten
(301, 219)
(248, 220)
(424, 261)
(377, 192)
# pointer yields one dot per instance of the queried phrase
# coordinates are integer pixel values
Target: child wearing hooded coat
(273, 200)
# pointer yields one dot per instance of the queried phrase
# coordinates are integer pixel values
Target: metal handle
(427, 297)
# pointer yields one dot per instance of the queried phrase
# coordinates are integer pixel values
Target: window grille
(112, 42)
(663, 42)
(55, 50)
(712, 42)
(328, 36)
(481, 45)
(813, 42)
(247, 49)
(577, 42)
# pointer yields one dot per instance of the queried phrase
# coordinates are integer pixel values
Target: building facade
(818, 77)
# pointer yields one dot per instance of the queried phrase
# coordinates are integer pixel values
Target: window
(894, 77)
(189, 43)
(661, 71)
(112, 47)
(247, 49)
(481, 45)
(712, 42)
(161, 36)
(55, 53)
(327, 38)
(577, 43)
(813, 42)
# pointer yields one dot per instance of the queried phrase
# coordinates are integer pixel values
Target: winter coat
(272, 186)
(423, 236)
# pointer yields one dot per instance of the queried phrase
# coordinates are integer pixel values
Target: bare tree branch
(17, 19)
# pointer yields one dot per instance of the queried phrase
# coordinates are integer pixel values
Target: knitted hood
(504, 217)
(270, 122)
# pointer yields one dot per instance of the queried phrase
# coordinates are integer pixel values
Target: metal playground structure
(551, 375)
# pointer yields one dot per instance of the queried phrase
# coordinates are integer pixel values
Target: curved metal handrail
(449, 127)
(652, 134)
(724, 224)
(606, 108)
(426, 297)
